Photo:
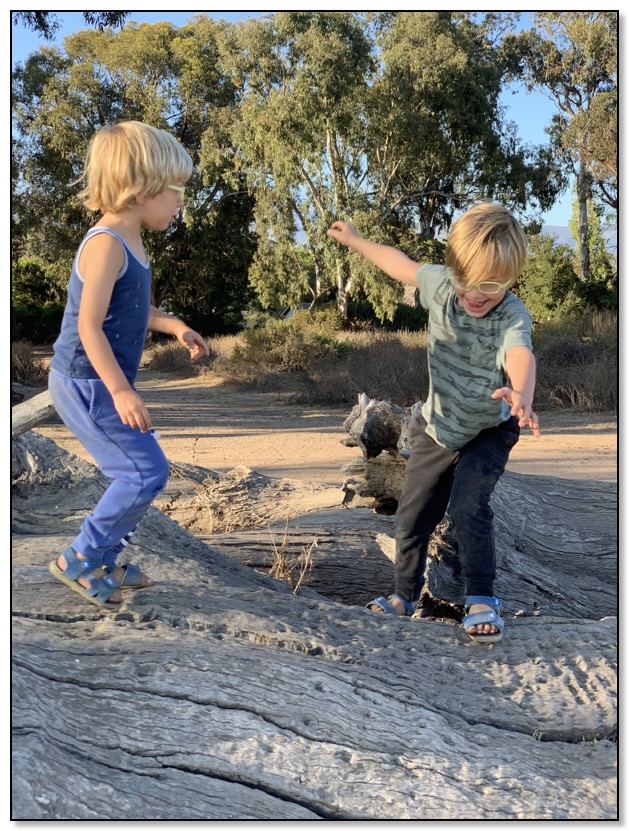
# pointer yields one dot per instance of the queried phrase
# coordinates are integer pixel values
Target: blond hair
(130, 159)
(486, 243)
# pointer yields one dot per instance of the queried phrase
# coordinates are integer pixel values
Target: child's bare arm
(101, 260)
(391, 260)
(169, 325)
(520, 366)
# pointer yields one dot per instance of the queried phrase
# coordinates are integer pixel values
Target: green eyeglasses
(484, 287)
(180, 190)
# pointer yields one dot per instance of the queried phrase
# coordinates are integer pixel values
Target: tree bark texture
(220, 693)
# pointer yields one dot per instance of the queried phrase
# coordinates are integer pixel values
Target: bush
(549, 285)
(577, 363)
(326, 320)
(170, 356)
(25, 367)
(318, 369)
(34, 321)
(409, 318)
(283, 346)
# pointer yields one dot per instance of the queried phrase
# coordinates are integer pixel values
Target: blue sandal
(488, 616)
(99, 590)
(132, 578)
(389, 609)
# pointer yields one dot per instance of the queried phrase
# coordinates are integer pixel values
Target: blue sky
(532, 112)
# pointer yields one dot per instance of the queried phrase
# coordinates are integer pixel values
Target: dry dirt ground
(204, 422)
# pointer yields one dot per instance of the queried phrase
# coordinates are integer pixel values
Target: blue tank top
(126, 322)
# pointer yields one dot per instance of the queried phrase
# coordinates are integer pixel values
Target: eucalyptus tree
(390, 120)
(299, 135)
(46, 24)
(573, 56)
(167, 77)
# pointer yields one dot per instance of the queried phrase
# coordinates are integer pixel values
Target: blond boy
(482, 380)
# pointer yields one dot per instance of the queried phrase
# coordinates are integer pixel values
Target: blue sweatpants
(132, 460)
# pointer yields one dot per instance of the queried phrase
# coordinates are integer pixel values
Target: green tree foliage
(574, 57)
(47, 24)
(391, 121)
(601, 290)
(549, 285)
(166, 77)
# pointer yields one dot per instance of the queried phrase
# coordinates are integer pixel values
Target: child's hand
(519, 408)
(343, 232)
(194, 343)
(132, 410)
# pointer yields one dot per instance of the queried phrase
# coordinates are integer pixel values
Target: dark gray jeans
(460, 481)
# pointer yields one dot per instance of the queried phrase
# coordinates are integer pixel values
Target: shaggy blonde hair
(130, 159)
(486, 243)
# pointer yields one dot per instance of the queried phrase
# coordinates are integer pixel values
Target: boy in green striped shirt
(482, 380)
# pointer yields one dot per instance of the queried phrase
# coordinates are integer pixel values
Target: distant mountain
(564, 236)
(561, 232)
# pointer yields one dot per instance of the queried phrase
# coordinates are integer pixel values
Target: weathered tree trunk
(29, 413)
(584, 194)
(220, 693)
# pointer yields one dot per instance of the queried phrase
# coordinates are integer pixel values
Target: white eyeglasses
(180, 190)
(484, 287)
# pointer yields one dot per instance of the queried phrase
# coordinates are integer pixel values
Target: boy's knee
(464, 511)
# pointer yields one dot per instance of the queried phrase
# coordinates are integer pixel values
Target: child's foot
(482, 628)
(482, 620)
(131, 577)
(114, 597)
(397, 605)
(393, 605)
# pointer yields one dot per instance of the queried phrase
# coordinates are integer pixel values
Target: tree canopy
(46, 24)
(169, 78)
(391, 120)
(573, 56)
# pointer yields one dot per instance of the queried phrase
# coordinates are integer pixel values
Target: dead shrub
(291, 564)
(26, 367)
(577, 363)
(171, 356)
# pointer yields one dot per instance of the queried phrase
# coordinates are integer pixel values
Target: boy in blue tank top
(134, 175)
(482, 380)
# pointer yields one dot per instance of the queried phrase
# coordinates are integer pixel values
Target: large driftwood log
(219, 693)
(30, 413)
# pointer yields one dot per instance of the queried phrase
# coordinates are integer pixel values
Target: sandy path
(204, 422)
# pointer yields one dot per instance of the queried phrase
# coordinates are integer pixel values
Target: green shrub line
(310, 359)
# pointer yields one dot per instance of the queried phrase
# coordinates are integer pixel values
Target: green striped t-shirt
(466, 359)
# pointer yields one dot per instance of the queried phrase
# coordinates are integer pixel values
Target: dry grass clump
(170, 356)
(26, 368)
(318, 365)
(291, 565)
(577, 366)
(577, 363)
(332, 370)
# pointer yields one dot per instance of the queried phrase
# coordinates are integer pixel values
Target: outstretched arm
(520, 366)
(391, 260)
(169, 325)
